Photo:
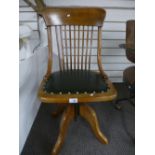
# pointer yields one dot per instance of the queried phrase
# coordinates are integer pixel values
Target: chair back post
(99, 57)
(50, 52)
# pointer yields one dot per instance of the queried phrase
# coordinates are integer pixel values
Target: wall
(118, 12)
(31, 71)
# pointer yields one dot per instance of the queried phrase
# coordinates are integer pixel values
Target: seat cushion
(75, 81)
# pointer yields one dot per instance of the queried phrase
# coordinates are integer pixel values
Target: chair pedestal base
(68, 115)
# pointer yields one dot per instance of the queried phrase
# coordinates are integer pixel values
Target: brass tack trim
(91, 94)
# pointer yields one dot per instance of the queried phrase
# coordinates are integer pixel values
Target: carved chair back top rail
(73, 16)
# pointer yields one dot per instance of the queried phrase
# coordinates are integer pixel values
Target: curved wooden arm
(99, 54)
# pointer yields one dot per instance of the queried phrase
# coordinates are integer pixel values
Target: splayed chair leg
(90, 116)
(67, 117)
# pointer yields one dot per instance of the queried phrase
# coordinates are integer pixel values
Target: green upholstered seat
(74, 81)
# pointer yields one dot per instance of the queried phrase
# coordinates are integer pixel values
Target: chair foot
(116, 104)
(90, 116)
(67, 117)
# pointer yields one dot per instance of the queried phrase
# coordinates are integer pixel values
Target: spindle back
(77, 32)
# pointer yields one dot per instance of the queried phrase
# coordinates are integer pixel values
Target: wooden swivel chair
(77, 32)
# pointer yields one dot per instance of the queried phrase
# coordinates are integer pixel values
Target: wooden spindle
(82, 48)
(78, 63)
(66, 47)
(62, 48)
(70, 40)
(74, 47)
(91, 41)
(86, 47)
